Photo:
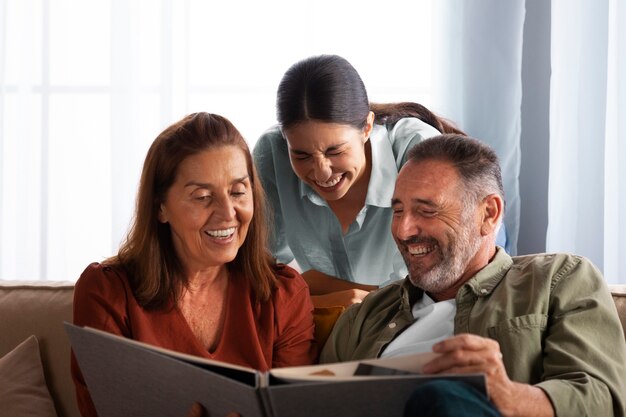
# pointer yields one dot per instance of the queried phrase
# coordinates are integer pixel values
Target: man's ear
(492, 211)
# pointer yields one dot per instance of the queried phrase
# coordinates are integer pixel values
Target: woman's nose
(225, 208)
(322, 170)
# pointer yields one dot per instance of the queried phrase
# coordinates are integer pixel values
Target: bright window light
(86, 85)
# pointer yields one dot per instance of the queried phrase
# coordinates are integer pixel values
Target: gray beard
(454, 259)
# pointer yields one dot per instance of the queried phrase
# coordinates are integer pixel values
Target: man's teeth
(221, 233)
(420, 250)
(330, 183)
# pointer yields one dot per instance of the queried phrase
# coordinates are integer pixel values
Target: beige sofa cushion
(23, 390)
(39, 308)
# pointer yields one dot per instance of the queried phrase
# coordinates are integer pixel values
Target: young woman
(329, 170)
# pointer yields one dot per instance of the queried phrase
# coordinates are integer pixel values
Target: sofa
(39, 309)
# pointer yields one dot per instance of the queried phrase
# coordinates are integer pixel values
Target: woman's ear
(369, 125)
(492, 211)
(162, 214)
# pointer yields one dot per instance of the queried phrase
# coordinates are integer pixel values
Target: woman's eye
(201, 195)
(301, 157)
(239, 190)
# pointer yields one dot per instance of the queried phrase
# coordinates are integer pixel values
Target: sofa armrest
(619, 297)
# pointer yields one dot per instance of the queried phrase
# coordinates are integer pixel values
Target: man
(542, 328)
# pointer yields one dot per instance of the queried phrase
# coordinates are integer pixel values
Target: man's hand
(467, 353)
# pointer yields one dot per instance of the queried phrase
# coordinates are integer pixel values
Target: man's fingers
(455, 359)
(465, 341)
(487, 360)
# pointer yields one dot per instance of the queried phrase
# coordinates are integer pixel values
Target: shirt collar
(384, 169)
(410, 294)
(307, 191)
(483, 283)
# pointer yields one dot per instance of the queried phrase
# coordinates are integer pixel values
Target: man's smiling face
(437, 235)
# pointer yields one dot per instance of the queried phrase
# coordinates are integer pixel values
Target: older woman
(194, 274)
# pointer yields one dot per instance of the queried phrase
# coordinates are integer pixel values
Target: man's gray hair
(475, 161)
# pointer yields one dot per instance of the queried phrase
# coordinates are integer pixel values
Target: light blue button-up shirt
(305, 228)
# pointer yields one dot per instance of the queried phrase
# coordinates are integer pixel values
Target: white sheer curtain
(86, 85)
(478, 82)
(587, 207)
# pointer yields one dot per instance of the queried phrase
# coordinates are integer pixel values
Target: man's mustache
(419, 240)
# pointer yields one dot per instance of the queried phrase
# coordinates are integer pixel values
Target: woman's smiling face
(329, 157)
(209, 207)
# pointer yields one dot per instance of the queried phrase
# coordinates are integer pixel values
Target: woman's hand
(329, 291)
(197, 410)
(320, 283)
(343, 298)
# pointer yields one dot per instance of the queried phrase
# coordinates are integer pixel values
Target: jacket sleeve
(584, 365)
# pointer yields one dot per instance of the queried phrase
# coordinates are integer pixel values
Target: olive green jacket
(552, 315)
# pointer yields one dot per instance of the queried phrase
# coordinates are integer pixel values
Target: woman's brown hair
(147, 255)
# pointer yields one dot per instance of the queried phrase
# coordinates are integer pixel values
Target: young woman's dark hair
(147, 255)
(327, 88)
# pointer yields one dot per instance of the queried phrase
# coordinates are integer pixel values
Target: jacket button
(392, 325)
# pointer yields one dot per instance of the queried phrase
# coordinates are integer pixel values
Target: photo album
(130, 378)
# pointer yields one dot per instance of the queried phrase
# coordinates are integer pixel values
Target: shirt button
(392, 325)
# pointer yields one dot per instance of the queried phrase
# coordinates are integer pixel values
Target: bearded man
(542, 328)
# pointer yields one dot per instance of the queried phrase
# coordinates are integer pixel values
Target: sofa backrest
(619, 296)
(40, 308)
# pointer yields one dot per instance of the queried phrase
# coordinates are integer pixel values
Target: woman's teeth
(221, 233)
(330, 183)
